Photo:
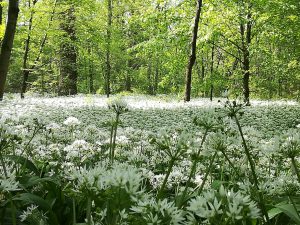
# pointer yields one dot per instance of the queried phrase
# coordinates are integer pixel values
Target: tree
(68, 53)
(26, 68)
(1, 12)
(192, 58)
(7, 43)
(108, 47)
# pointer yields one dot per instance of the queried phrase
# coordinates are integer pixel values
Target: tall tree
(245, 30)
(68, 53)
(26, 68)
(1, 12)
(7, 43)
(192, 58)
(108, 48)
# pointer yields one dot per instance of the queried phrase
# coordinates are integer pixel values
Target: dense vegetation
(82, 145)
(105, 46)
(81, 161)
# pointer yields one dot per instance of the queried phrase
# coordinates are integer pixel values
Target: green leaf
(274, 212)
(24, 162)
(29, 198)
(290, 211)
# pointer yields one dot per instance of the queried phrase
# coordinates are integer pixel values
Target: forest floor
(68, 143)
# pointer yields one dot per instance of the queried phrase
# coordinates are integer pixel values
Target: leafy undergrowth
(84, 161)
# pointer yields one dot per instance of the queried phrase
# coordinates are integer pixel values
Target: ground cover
(135, 160)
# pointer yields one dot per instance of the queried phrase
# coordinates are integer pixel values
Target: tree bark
(108, 48)
(245, 30)
(26, 69)
(212, 71)
(27, 49)
(1, 12)
(91, 73)
(7, 44)
(68, 67)
(192, 57)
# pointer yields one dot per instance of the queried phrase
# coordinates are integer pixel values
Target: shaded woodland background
(109, 46)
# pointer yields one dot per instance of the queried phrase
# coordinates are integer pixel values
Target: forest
(149, 112)
(186, 48)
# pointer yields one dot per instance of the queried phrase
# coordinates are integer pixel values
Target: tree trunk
(1, 12)
(192, 57)
(108, 48)
(68, 67)
(212, 71)
(149, 72)
(91, 73)
(7, 44)
(26, 71)
(27, 49)
(156, 78)
(246, 41)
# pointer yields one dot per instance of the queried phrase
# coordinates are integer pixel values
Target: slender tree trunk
(212, 71)
(245, 30)
(156, 78)
(108, 48)
(7, 44)
(91, 73)
(149, 72)
(68, 67)
(25, 69)
(1, 12)
(192, 57)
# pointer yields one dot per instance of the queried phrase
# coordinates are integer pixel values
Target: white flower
(198, 180)
(53, 126)
(9, 184)
(71, 121)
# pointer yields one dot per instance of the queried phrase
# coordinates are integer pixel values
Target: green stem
(295, 168)
(89, 211)
(193, 170)
(2, 160)
(230, 163)
(13, 210)
(163, 186)
(294, 205)
(252, 166)
(207, 172)
(74, 211)
(114, 137)
(110, 140)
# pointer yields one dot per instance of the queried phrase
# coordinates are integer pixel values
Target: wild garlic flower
(154, 212)
(118, 105)
(291, 145)
(71, 121)
(79, 149)
(54, 126)
(9, 184)
(223, 206)
(32, 215)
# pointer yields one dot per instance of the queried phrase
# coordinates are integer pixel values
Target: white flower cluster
(9, 184)
(71, 121)
(212, 206)
(102, 178)
(158, 212)
(79, 149)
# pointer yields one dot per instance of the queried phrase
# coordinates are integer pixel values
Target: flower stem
(89, 211)
(193, 169)
(163, 186)
(252, 166)
(296, 168)
(207, 172)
